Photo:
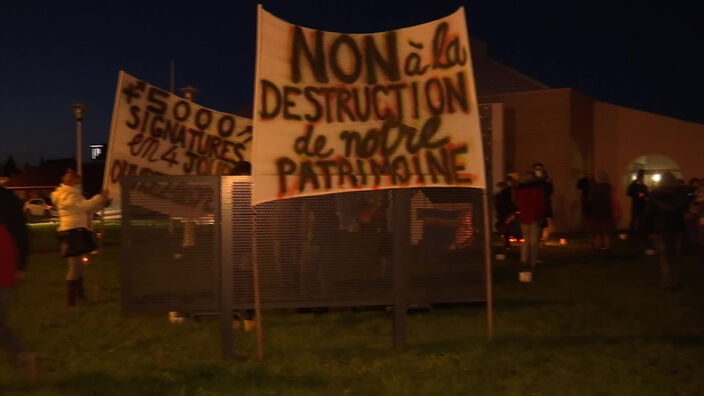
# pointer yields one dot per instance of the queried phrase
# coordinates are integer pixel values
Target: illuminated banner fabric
(156, 132)
(340, 112)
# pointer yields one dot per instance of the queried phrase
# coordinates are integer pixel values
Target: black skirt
(76, 242)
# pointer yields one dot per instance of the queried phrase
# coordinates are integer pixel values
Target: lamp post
(189, 92)
(78, 110)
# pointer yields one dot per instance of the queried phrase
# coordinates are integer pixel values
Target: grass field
(586, 325)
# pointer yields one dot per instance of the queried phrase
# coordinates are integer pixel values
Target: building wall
(622, 134)
(581, 153)
(537, 128)
(572, 134)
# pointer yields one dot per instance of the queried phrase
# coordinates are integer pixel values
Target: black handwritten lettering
(182, 110)
(170, 156)
(458, 167)
(316, 61)
(289, 103)
(268, 89)
(356, 59)
(373, 57)
(456, 93)
(203, 118)
(310, 94)
(156, 99)
(436, 103)
(447, 54)
(284, 167)
(134, 112)
(308, 175)
(226, 126)
(302, 145)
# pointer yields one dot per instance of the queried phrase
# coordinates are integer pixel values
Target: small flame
(84, 259)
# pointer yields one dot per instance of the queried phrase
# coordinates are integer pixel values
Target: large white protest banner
(338, 112)
(155, 132)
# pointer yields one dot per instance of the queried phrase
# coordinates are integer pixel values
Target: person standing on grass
(696, 212)
(75, 212)
(545, 181)
(14, 248)
(604, 211)
(584, 185)
(530, 198)
(691, 218)
(664, 220)
(505, 209)
(638, 192)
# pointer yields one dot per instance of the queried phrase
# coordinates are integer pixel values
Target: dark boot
(71, 291)
(80, 291)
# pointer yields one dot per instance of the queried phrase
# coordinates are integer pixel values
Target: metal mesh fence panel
(337, 250)
(171, 243)
(329, 250)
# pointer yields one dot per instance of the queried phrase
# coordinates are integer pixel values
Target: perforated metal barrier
(181, 233)
(171, 243)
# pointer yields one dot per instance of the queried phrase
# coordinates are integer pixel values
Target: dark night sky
(54, 54)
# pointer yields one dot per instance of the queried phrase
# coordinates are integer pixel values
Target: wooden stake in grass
(487, 268)
(257, 300)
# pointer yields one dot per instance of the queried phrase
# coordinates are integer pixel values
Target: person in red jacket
(530, 199)
(14, 246)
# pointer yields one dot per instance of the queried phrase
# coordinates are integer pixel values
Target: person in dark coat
(14, 248)
(638, 192)
(691, 219)
(545, 181)
(584, 185)
(531, 207)
(603, 211)
(505, 209)
(664, 222)
(696, 211)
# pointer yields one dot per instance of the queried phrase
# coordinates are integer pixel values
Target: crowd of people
(670, 218)
(667, 219)
(524, 211)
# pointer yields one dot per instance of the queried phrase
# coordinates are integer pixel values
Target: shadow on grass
(512, 341)
(589, 339)
(519, 304)
(188, 380)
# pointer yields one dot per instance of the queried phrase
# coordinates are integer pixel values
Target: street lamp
(189, 92)
(78, 110)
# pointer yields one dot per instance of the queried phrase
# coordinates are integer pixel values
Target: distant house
(40, 181)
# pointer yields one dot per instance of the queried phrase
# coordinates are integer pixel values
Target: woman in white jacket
(75, 212)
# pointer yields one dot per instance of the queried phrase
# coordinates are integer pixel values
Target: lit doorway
(654, 166)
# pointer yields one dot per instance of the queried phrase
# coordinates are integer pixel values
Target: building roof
(492, 77)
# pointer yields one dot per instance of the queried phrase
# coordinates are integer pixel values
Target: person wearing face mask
(75, 212)
(546, 182)
(531, 206)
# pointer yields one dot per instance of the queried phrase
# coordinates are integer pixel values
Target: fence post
(223, 217)
(401, 225)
